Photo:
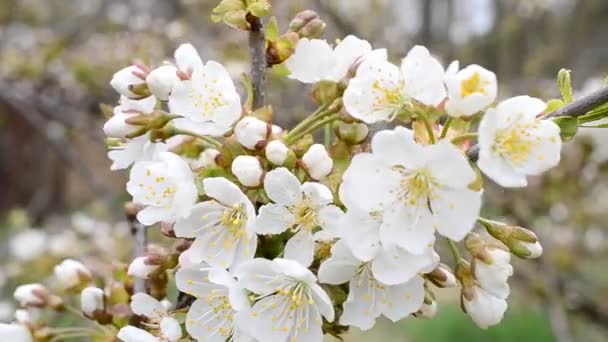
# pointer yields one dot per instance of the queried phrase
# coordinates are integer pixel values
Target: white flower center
(207, 98)
(290, 306)
(472, 85)
(305, 215)
(417, 187)
(515, 143)
(388, 97)
(157, 189)
(230, 222)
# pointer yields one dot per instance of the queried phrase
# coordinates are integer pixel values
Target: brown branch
(140, 237)
(576, 108)
(257, 50)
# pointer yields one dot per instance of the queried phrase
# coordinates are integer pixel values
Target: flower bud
(32, 295)
(307, 24)
(427, 311)
(492, 276)
(71, 274)
(91, 300)
(161, 81)
(131, 82)
(484, 309)
(522, 242)
(276, 152)
(142, 267)
(23, 317)
(352, 133)
(248, 170)
(317, 161)
(207, 158)
(251, 132)
(15, 333)
(117, 126)
(442, 276)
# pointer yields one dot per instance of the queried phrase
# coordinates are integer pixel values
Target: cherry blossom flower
(301, 208)
(381, 90)
(484, 309)
(470, 90)
(276, 152)
(514, 143)
(369, 298)
(165, 186)
(493, 277)
(223, 226)
(207, 100)
(162, 80)
(212, 316)
(141, 267)
(71, 274)
(135, 150)
(289, 303)
(32, 295)
(251, 132)
(314, 60)
(417, 189)
(91, 300)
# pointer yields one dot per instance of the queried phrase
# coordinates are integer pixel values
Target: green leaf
(259, 8)
(568, 126)
(246, 79)
(272, 29)
(231, 12)
(553, 105)
(564, 83)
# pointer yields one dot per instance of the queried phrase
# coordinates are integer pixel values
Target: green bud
(568, 126)
(282, 48)
(519, 249)
(140, 90)
(564, 83)
(314, 29)
(351, 133)
(325, 92)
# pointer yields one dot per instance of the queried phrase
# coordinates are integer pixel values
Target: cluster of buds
(522, 242)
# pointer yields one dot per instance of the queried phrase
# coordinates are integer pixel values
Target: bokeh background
(58, 197)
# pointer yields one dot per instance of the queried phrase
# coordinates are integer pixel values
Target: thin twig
(140, 237)
(257, 50)
(575, 108)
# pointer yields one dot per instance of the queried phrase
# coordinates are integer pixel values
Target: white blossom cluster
(276, 225)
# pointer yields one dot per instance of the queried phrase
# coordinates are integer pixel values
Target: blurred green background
(59, 199)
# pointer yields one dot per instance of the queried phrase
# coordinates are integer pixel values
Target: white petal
(366, 183)
(528, 107)
(410, 228)
(223, 191)
(347, 52)
(360, 309)
(322, 302)
(195, 282)
(397, 147)
(217, 247)
(170, 329)
(207, 319)
(330, 220)
(200, 216)
(301, 248)
(282, 186)
(394, 266)
(133, 334)
(146, 305)
(311, 62)
(151, 215)
(361, 233)
(501, 172)
(15, 333)
(403, 300)
(484, 309)
(258, 276)
(340, 267)
(449, 165)
(423, 76)
(273, 219)
(545, 151)
(318, 193)
(456, 212)
(187, 58)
